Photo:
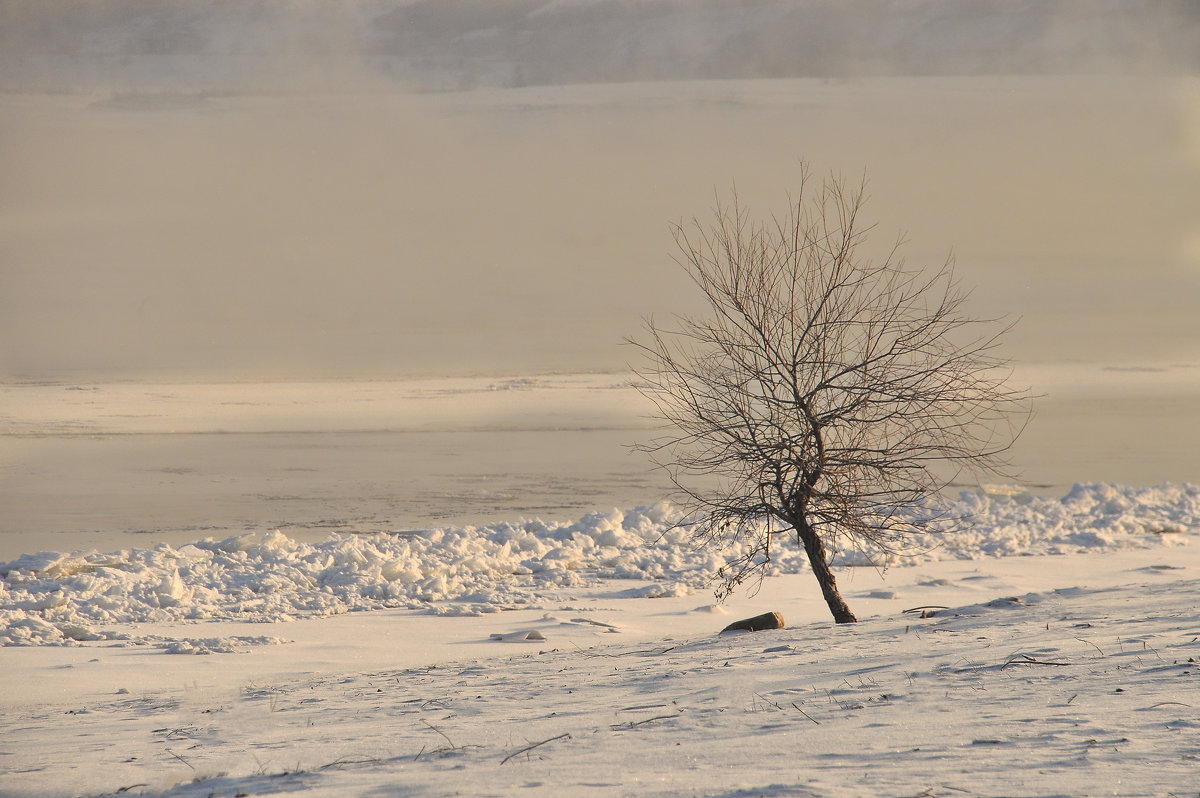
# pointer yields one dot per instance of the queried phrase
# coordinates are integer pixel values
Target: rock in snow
(759, 623)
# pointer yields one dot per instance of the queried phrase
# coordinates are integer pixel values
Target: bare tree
(826, 392)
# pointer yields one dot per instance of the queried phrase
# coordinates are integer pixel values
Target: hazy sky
(368, 232)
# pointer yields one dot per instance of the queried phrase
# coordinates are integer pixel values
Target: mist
(301, 45)
(379, 189)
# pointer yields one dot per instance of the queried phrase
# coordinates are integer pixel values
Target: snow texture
(1072, 691)
(65, 599)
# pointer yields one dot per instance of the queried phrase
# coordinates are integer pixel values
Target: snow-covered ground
(1048, 650)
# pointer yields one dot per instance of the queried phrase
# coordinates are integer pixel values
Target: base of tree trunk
(819, 561)
(768, 620)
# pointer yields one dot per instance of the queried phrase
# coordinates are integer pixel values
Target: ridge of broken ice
(52, 598)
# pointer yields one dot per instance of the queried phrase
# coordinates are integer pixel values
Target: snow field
(1082, 691)
(579, 659)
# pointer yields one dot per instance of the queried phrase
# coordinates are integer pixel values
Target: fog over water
(371, 190)
(182, 198)
(504, 231)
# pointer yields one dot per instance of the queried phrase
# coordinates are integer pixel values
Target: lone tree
(826, 391)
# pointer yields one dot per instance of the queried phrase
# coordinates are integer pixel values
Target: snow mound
(52, 598)
(997, 522)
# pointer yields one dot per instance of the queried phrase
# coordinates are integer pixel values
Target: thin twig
(181, 759)
(766, 700)
(925, 607)
(528, 748)
(632, 724)
(341, 763)
(1025, 659)
(805, 714)
(439, 731)
(587, 653)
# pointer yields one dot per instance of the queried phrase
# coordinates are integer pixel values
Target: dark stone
(768, 620)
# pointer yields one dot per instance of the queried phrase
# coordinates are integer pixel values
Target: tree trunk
(819, 561)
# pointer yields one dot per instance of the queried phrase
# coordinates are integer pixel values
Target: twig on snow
(181, 759)
(1025, 659)
(586, 653)
(805, 714)
(635, 723)
(453, 747)
(767, 701)
(346, 763)
(528, 748)
(924, 607)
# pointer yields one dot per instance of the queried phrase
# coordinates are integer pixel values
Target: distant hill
(289, 45)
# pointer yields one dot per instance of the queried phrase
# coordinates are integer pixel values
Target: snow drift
(60, 599)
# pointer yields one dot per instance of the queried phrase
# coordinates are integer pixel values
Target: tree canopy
(826, 390)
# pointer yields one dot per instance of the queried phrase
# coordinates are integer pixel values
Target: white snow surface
(52, 598)
(1016, 675)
